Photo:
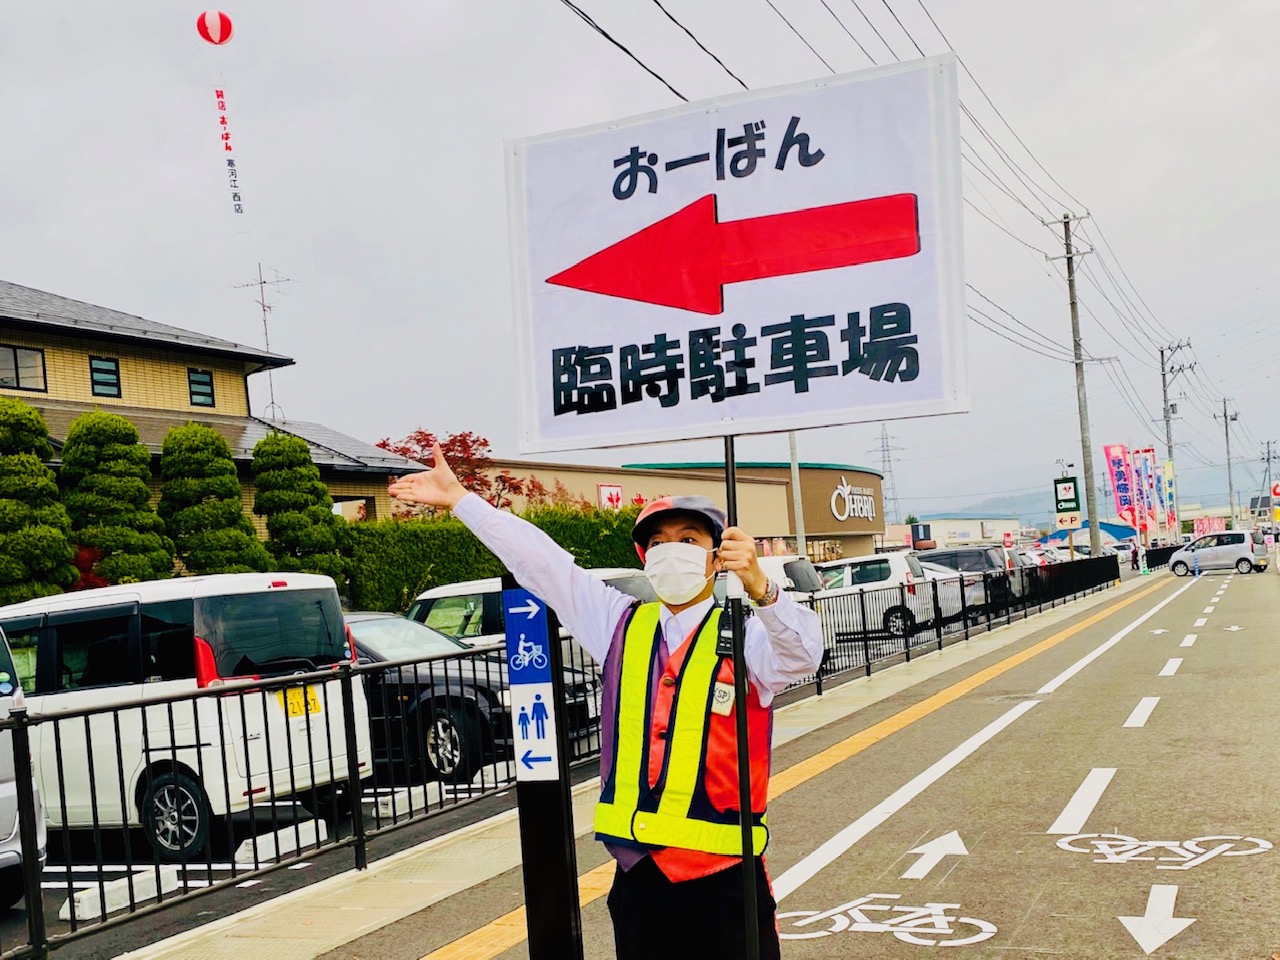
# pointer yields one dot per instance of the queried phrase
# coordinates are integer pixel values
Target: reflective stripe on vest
(671, 824)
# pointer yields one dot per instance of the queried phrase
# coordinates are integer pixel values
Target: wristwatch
(769, 596)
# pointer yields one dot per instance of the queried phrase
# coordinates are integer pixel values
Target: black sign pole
(737, 636)
(549, 857)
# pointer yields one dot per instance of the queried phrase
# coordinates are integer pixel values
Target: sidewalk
(310, 922)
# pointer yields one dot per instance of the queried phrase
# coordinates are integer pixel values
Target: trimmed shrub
(35, 555)
(104, 478)
(305, 533)
(395, 560)
(200, 504)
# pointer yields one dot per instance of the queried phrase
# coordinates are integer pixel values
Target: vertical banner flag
(1149, 479)
(1117, 457)
(1139, 482)
(763, 261)
(1170, 494)
(229, 152)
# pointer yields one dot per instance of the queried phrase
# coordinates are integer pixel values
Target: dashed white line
(1208, 610)
(1074, 815)
(1171, 667)
(1142, 712)
(1094, 654)
(1200, 623)
(1189, 640)
(834, 848)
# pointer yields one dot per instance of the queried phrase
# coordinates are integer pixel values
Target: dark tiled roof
(48, 311)
(329, 449)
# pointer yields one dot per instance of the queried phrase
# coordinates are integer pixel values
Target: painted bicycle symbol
(931, 925)
(528, 653)
(1171, 854)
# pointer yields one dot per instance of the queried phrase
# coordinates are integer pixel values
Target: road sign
(766, 261)
(533, 721)
(1066, 498)
(535, 678)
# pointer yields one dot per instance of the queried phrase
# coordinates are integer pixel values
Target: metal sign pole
(539, 734)
(737, 634)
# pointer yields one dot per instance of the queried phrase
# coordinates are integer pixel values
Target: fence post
(32, 868)
(346, 680)
(964, 604)
(906, 632)
(937, 609)
(986, 596)
(866, 653)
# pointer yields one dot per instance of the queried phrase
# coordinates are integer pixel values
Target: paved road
(1102, 788)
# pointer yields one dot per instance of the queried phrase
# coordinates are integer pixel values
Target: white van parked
(172, 768)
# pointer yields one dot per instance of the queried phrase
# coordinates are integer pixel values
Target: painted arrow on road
(1233, 628)
(528, 607)
(1158, 925)
(686, 259)
(1158, 632)
(931, 854)
(529, 760)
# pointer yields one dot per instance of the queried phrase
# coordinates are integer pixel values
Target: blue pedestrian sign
(533, 721)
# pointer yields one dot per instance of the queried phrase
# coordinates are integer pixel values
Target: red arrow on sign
(685, 260)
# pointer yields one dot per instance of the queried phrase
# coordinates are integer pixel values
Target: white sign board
(762, 262)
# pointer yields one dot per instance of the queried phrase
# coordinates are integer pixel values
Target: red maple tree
(468, 455)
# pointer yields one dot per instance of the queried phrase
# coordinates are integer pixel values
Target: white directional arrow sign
(931, 854)
(1233, 628)
(1158, 632)
(528, 607)
(1158, 925)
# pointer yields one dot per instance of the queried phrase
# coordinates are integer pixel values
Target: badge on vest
(722, 699)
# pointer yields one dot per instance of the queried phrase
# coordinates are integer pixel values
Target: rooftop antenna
(274, 411)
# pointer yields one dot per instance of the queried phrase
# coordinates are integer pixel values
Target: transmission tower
(274, 411)
(886, 468)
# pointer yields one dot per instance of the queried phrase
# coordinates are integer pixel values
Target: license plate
(299, 701)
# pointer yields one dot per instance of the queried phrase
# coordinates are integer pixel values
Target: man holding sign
(669, 803)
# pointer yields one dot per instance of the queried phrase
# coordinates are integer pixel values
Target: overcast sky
(370, 136)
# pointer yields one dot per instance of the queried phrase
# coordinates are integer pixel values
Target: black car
(446, 718)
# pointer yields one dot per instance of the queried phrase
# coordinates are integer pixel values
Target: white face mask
(676, 571)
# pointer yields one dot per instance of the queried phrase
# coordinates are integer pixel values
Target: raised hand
(437, 487)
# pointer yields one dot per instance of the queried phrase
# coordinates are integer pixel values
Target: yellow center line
(511, 929)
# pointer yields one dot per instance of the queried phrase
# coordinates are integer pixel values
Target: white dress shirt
(783, 641)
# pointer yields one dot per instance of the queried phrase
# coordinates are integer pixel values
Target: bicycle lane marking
(838, 845)
(510, 929)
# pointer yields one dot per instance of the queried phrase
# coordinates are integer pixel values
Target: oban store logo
(852, 502)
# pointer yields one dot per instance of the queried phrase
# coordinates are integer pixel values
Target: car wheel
(1244, 566)
(175, 817)
(899, 623)
(12, 888)
(1179, 569)
(451, 736)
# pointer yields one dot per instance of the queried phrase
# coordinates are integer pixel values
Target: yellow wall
(148, 377)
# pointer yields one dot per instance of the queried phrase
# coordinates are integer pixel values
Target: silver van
(1241, 550)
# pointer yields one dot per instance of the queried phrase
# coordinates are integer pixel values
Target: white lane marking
(1158, 925)
(1171, 667)
(1080, 806)
(248, 883)
(1189, 640)
(1201, 622)
(1142, 712)
(829, 852)
(1208, 609)
(1094, 654)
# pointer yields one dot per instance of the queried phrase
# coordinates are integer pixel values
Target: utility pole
(1167, 375)
(1267, 515)
(1231, 487)
(797, 500)
(1082, 399)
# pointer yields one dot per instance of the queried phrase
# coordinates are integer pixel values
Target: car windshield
(272, 633)
(398, 638)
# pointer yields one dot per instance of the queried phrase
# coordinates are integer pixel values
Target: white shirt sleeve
(588, 608)
(783, 644)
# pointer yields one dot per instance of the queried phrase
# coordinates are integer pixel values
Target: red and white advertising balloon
(214, 26)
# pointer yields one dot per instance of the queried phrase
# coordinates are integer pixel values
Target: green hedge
(395, 560)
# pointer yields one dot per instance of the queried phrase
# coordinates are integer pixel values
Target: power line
(1048, 340)
(798, 34)
(847, 31)
(875, 30)
(701, 47)
(604, 33)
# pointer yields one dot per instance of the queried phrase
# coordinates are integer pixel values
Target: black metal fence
(155, 800)
(1159, 556)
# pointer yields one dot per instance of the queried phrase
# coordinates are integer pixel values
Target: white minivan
(172, 768)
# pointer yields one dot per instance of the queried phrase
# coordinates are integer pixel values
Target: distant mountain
(1032, 509)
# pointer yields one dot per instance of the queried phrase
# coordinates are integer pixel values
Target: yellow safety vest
(633, 813)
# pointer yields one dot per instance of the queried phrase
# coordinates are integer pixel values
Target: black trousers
(655, 919)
